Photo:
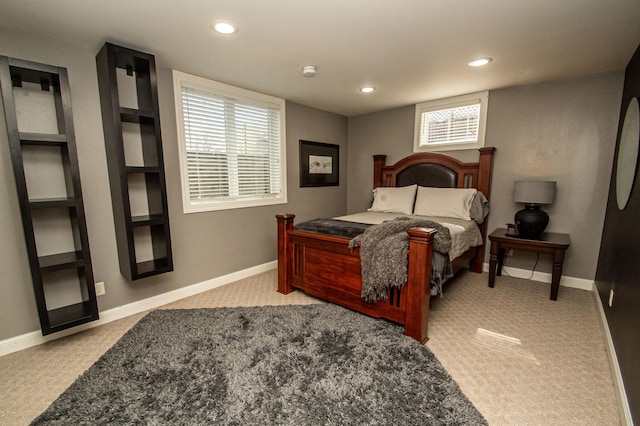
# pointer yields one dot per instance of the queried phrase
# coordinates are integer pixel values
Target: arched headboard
(435, 175)
(429, 169)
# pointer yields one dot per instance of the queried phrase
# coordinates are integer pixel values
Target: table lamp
(531, 221)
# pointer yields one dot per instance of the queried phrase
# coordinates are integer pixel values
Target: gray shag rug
(283, 365)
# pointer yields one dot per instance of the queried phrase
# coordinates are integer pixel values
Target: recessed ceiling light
(224, 27)
(480, 62)
(367, 89)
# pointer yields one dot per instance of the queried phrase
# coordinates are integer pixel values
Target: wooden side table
(550, 242)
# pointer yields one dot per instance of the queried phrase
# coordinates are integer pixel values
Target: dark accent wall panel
(619, 261)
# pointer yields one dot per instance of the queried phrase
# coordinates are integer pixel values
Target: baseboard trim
(35, 338)
(565, 281)
(618, 383)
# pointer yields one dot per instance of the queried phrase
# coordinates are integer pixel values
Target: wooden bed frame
(323, 265)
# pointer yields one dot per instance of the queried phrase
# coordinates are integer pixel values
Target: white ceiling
(410, 50)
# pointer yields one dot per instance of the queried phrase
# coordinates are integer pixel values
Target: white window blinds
(452, 123)
(232, 149)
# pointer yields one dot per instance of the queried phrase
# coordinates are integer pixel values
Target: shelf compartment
(69, 300)
(38, 110)
(49, 203)
(139, 142)
(148, 220)
(153, 267)
(71, 316)
(55, 230)
(56, 262)
(130, 115)
(47, 170)
(142, 169)
(151, 248)
(149, 242)
(145, 194)
(30, 138)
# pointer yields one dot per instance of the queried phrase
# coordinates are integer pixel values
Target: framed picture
(319, 164)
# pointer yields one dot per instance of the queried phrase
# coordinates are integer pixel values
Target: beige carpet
(519, 357)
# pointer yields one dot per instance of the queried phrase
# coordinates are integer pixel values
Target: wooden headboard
(429, 169)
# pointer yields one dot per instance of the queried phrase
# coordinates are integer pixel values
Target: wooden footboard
(324, 266)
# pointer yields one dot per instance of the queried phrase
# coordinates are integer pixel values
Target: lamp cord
(532, 271)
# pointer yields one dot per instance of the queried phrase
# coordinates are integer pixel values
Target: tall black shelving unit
(131, 124)
(34, 94)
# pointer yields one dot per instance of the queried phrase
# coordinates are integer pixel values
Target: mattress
(464, 233)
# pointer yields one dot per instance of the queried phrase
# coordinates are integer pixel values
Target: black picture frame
(319, 164)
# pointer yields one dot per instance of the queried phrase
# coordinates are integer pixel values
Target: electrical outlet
(611, 298)
(100, 288)
(510, 252)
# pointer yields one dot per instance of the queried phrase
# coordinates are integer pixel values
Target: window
(232, 145)
(450, 124)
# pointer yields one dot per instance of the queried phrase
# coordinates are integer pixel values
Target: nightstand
(552, 243)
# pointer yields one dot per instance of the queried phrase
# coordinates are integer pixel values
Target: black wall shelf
(131, 124)
(58, 265)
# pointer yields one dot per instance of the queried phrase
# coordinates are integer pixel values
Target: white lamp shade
(534, 191)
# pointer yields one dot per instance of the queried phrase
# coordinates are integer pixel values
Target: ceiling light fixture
(309, 70)
(367, 89)
(224, 27)
(480, 62)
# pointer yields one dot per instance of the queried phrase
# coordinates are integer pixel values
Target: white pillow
(394, 199)
(444, 202)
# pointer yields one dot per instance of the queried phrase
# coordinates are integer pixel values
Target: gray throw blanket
(383, 254)
(340, 228)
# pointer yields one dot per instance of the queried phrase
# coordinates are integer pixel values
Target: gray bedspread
(383, 254)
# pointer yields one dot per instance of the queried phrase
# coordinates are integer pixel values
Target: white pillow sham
(444, 202)
(394, 199)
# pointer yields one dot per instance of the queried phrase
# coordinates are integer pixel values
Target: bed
(324, 266)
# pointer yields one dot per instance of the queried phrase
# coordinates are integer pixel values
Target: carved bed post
(484, 186)
(285, 224)
(419, 283)
(484, 170)
(378, 164)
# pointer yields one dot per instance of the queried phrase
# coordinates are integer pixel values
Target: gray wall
(205, 245)
(388, 132)
(562, 130)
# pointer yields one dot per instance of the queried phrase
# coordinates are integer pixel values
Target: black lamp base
(531, 221)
